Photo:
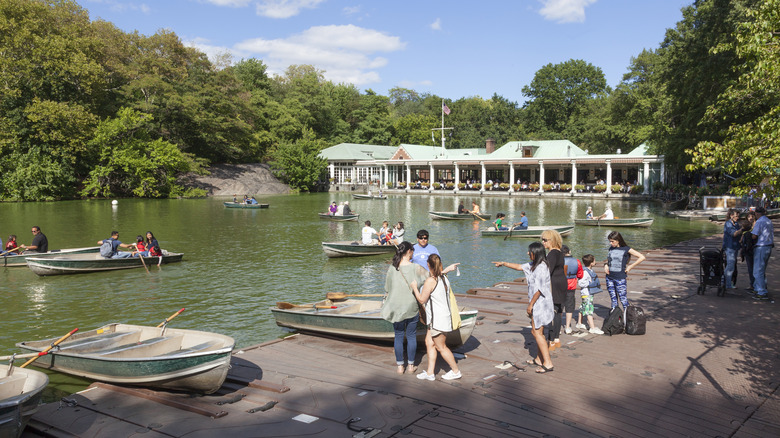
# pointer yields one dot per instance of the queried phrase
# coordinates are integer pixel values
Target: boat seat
(12, 385)
(209, 345)
(146, 348)
(100, 342)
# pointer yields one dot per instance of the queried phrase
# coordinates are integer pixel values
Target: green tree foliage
(413, 129)
(298, 163)
(750, 150)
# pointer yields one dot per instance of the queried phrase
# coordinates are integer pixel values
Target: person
(367, 234)
(499, 222)
(333, 208)
(246, 199)
(523, 224)
(253, 201)
(573, 273)
(152, 245)
(423, 249)
(551, 240)
(398, 233)
(140, 247)
(435, 296)
(540, 302)
(40, 243)
(400, 307)
(115, 245)
(589, 213)
(474, 208)
(746, 242)
(461, 208)
(608, 214)
(589, 285)
(347, 209)
(235, 199)
(617, 268)
(732, 233)
(340, 209)
(11, 247)
(763, 239)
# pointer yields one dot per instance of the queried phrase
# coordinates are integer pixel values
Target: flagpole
(442, 127)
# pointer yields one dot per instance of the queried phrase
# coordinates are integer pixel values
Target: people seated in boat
(398, 233)
(152, 246)
(347, 209)
(368, 234)
(253, 201)
(140, 247)
(113, 250)
(235, 199)
(499, 222)
(246, 199)
(474, 208)
(523, 224)
(11, 248)
(333, 208)
(40, 243)
(589, 213)
(462, 209)
(608, 214)
(340, 209)
(383, 233)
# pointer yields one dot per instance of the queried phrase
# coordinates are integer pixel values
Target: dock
(707, 367)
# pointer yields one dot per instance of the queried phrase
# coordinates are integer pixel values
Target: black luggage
(635, 320)
(613, 323)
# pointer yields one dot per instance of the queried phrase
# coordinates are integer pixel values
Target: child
(11, 245)
(573, 271)
(140, 247)
(499, 222)
(384, 237)
(590, 285)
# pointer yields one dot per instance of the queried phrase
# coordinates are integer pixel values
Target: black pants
(555, 326)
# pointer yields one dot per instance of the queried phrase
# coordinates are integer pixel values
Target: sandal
(412, 369)
(543, 369)
(400, 369)
(533, 362)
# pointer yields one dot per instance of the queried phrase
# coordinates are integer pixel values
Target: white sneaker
(581, 326)
(568, 330)
(425, 376)
(451, 376)
(596, 331)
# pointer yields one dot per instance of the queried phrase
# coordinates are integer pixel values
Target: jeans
(760, 258)
(405, 329)
(121, 255)
(731, 267)
(749, 263)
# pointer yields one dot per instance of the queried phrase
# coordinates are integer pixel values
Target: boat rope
(69, 402)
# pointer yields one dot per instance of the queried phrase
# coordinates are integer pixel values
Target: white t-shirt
(583, 283)
(367, 233)
(608, 214)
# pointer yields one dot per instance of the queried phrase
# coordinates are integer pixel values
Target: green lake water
(238, 263)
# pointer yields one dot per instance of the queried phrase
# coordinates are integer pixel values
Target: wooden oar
(18, 356)
(143, 262)
(46, 351)
(342, 295)
(283, 305)
(476, 215)
(167, 320)
(512, 228)
(18, 248)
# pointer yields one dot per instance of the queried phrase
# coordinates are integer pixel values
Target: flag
(445, 108)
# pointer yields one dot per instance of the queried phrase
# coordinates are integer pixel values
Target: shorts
(586, 308)
(568, 302)
(434, 332)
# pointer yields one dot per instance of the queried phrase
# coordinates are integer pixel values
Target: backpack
(635, 320)
(107, 248)
(613, 323)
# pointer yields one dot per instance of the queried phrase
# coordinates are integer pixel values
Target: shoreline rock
(237, 179)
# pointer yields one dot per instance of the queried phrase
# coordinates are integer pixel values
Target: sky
(452, 49)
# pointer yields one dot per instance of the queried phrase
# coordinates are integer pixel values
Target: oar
(44, 352)
(283, 305)
(476, 215)
(167, 320)
(143, 262)
(342, 295)
(18, 248)
(18, 356)
(512, 228)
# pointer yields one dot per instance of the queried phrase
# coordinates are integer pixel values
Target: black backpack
(613, 323)
(635, 320)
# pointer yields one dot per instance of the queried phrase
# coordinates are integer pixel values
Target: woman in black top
(552, 241)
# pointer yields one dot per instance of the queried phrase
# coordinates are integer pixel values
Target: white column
(541, 176)
(408, 176)
(353, 174)
(646, 178)
(457, 177)
(431, 178)
(663, 181)
(511, 176)
(332, 170)
(573, 176)
(484, 179)
(609, 177)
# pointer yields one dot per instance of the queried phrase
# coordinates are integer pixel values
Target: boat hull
(83, 263)
(356, 196)
(445, 215)
(360, 318)
(20, 396)
(628, 222)
(355, 249)
(242, 205)
(12, 261)
(530, 232)
(187, 360)
(334, 218)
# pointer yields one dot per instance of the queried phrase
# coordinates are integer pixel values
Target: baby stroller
(712, 263)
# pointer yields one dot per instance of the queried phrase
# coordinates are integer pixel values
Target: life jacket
(595, 284)
(571, 267)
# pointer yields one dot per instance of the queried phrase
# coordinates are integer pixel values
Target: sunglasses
(423, 238)
(544, 240)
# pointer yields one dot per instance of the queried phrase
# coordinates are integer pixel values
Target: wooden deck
(708, 366)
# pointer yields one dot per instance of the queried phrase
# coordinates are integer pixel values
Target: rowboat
(169, 358)
(456, 216)
(20, 395)
(12, 261)
(359, 318)
(81, 263)
(626, 222)
(357, 196)
(335, 218)
(530, 232)
(349, 248)
(242, 205)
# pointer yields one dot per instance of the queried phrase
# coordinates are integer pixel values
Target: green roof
(357, 152)
(422, 152)
(639, 150)
(541, 149)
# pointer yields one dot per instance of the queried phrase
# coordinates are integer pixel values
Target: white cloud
(231, 3)
(284, 8)
(436, 25)
(351, 10)
(345, 53)
(565, 11)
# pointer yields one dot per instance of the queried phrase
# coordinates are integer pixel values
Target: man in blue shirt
(731, 235)
(422, 249)
(763, 236)
(523, 224)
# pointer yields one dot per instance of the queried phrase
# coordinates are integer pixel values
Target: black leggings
(555, 329)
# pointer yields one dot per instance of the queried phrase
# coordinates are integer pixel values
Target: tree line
(87, 110)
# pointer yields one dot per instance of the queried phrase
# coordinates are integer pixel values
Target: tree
(299, 163)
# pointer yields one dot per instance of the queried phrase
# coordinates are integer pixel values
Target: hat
(346, 202)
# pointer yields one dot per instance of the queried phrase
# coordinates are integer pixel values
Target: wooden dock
(708, 366)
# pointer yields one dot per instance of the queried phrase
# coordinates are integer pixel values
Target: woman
(617, 268)
(540, 303)
(499, 222)
(589, 213)
(152, 246)
(333, 208)
(400, 306)
(555, 263)
(436, 298)
(398, 233)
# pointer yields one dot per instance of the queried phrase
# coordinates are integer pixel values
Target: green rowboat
(169, 358)
(626, 222)
(20, 395)
(357, 196)
(81, 263)
(530, 232)
(359, 318)
(348, 248)
(446, 215)
(11, 261)
(336, 218)
(242, 205)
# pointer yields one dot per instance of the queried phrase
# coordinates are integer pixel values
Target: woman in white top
(398, 233)
(436, 298)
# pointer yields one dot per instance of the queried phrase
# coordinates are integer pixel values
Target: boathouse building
(517, 165)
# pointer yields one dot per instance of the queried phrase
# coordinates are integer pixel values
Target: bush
(402, 184)
(616, 188)
(600, 188)
(349, 180)
(637, 189)
(389, 185)
(450, 185)
(579, 187)
(461, 186)
(503, 186)
(516, 187)
(425, 185)
(565, 187)
(477, 186)
(658, 186)
(534, 187)
(436, 186)
(547, 187)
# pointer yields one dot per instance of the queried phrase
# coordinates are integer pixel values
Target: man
(115, 245)
(368, 234)
(608, 214)
(474, 208)
(39, 243)
(422, 249)
(461, 208)
(732, 232)
(763, 236)
(347, 210)
(523, 224)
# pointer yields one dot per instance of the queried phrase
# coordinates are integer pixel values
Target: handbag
(420, 306)
(454, 309)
